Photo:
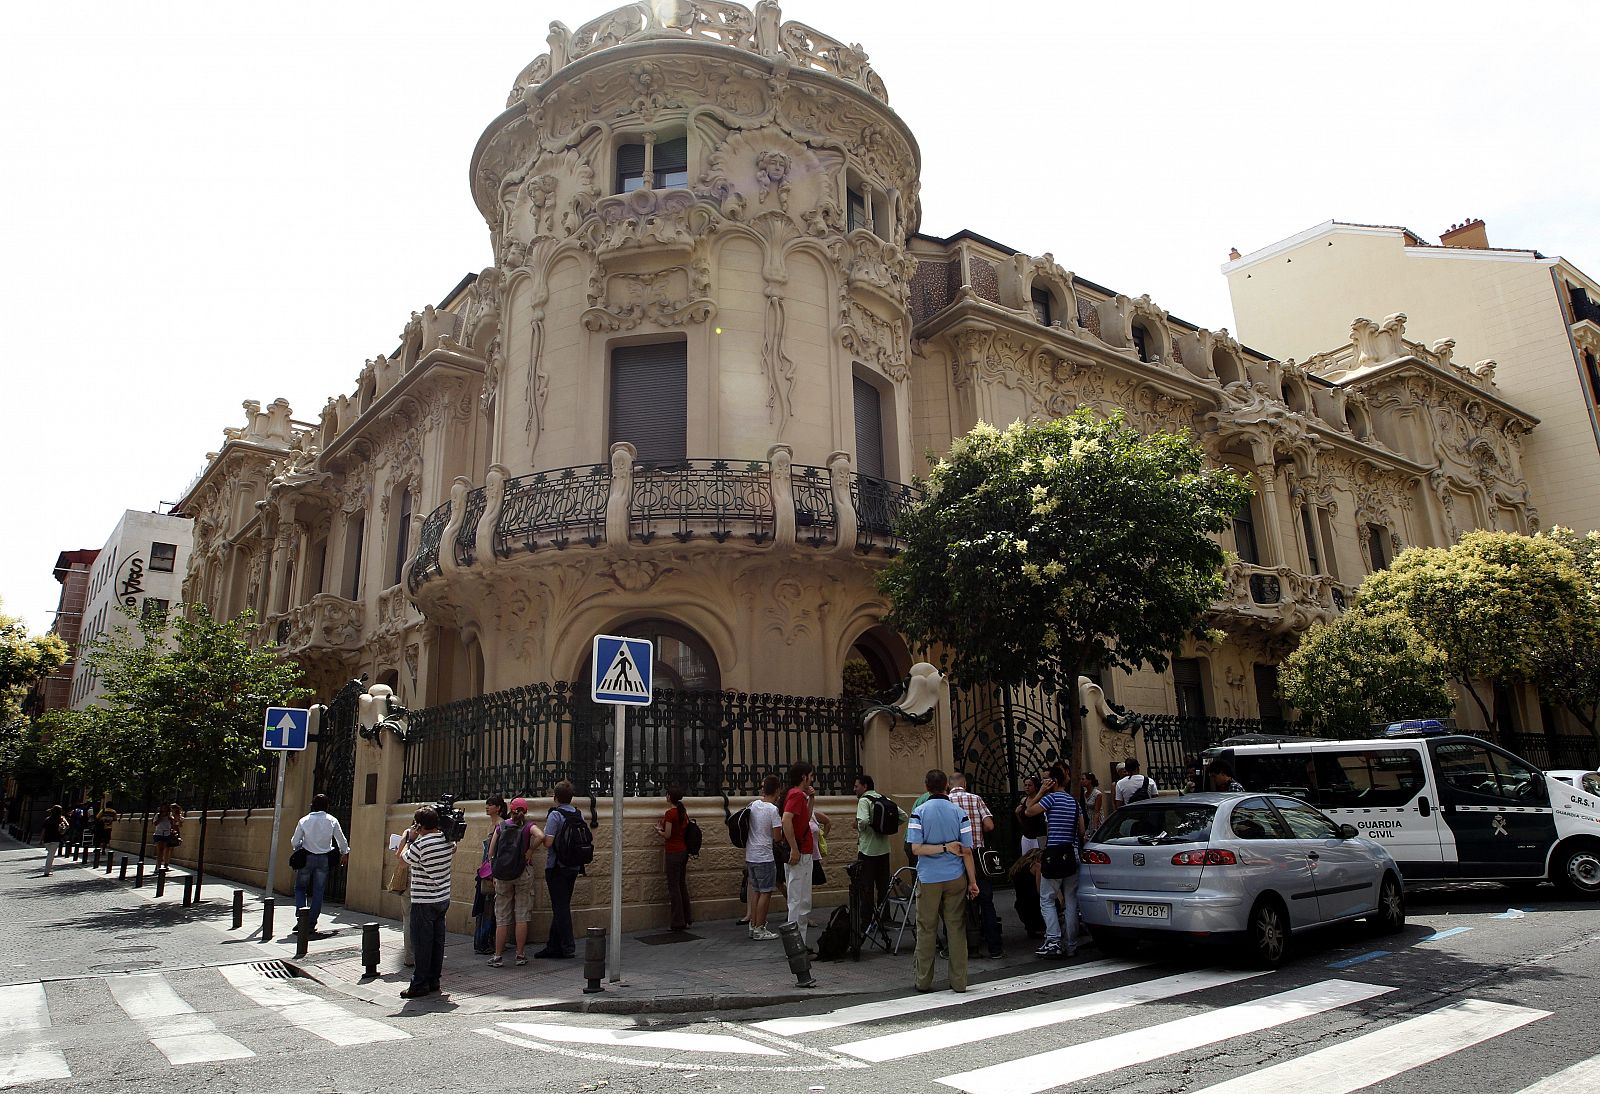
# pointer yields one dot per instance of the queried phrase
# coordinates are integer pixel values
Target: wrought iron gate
(335, 772)
(1003, 735)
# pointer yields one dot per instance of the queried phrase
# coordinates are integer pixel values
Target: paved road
(1487, 991)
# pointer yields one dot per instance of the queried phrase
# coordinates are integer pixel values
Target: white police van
(1445, 805)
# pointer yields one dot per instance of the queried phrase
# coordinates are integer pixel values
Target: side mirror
(1348, 831)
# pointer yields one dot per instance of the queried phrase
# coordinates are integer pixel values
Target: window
(664, 163)
(1473, 771)
(1141, 342)
(355, 533)
(630, 168)
(856, 211)
(1244, 534)
(1325, 524)
(650, 400)
(1267, 697)
(1372, 779)
(1184, 822)
(1378, 546)
(154, 608)
(1305, 822)
(1507, 715)
(1041, 305)
(402, 538)
(1277, 772)
(163, 557)
(1592, 367)
(869, 429)
(1313, 556)
(1254, 819)
(1188, 687)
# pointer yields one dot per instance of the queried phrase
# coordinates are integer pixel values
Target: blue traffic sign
(286, 729)
(622, 670)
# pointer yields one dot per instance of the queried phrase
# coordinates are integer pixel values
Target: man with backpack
(511, 861)
(765, 827)
(877, 820)
(1133, 787)
(571, 849)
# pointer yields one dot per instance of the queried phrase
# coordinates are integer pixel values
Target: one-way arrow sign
(286, 729)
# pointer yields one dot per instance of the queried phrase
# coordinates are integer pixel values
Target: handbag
(400, 880)
(818, 875)
(297, 860)
(989, 864)
(1060, 860)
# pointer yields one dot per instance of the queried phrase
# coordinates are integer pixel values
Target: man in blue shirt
(940, 835)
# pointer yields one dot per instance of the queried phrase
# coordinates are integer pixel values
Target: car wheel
(1390, 916)
(1580, 870)
(1268, 935)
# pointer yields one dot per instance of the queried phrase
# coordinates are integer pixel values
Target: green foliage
(1362, 669)
(858, 682)
(24, 660)
(1568, 670)
(1490, 604)
(1047, 547)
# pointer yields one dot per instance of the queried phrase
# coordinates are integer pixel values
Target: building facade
(55, 691)
(140, 570)
(1534, 319)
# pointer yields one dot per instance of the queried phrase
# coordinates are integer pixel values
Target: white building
(140, 569)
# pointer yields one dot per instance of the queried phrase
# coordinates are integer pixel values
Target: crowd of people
(91, 825)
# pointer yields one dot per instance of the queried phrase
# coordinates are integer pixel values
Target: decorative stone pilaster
(781, 458)
(620, 498)
(494, 494)
(844, 506)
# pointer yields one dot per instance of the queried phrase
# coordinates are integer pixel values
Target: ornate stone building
(713, 348)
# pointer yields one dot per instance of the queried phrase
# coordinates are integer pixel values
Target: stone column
(380, 766)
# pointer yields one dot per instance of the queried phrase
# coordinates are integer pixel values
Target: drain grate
(273, 970)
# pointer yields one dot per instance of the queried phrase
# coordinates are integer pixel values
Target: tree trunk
(200, 856)
(1488, 716)
(1080, 746)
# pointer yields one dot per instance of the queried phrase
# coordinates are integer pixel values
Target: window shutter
(650, 400)
(855, 210)
(671, 163)
(869, 429)
(630, 167)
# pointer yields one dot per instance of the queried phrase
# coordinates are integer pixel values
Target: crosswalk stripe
(25, 1055)
(1584, 1075)
(894, 1046)
(918, 1004)
(1046, 1070)
(1358, 1063)
(172, 1025)
(642, 1038)
(332, 1023)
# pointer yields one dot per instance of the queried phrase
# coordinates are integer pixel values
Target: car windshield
(1175, 822)
(1591, 782)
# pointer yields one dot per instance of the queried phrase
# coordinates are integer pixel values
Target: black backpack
(574, 844)
(738, 827)
(884, 816)
(510, 853)
(834, 943)
(693, 838)
(1142, 793)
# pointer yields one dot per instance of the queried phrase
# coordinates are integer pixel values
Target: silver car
(1240, 868)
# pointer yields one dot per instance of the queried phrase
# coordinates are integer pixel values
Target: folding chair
(897, 912)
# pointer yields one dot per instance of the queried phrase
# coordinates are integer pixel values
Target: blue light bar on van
(1415, 726)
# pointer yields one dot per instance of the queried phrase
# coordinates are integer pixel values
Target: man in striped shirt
(977, 811)
(428, 854)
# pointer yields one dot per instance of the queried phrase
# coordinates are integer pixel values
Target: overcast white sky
(206, 202)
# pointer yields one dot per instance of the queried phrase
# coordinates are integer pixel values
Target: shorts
(162, 840)
(763, 876)
(513, 900)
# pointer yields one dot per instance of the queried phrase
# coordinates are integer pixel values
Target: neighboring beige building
(1535, 317)
(684, 402)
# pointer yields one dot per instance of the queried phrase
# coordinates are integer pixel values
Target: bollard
(109, 857)
(369, 950)
(302, 931)
(95, 863)
(138, 877)
(161, 882)
(268, 905)
(594, 959)
(238, 909)
(188, 891)
(799, 960)
(122, 875)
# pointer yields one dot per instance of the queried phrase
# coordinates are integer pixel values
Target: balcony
(1276, 600)
(1584, 309)
(754, 504)
(327, 624)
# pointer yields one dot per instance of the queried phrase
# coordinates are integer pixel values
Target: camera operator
(425, 849)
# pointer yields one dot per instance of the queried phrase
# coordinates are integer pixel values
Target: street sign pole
(614, 947)
(285, 730)
(277, 822)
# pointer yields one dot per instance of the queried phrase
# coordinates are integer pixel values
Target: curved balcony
(1279, 599)
(327, 623)
(760, 504)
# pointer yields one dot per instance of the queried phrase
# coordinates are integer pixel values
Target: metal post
(277, 821)
(795, 950)
(109, 857)
(620, 732)
(268, 904)
(95, 864)
(594, 959)
(302, 931)
(161, 882)
(369, 950)
(138, 877)
(122, 874)
(238, 909)
(188, 891)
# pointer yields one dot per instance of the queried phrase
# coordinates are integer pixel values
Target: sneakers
(496, 961)
(1049, 949)
(761, 934)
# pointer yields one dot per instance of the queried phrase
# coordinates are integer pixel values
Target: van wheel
(1268, 935)
(1580, 870)
(1390, 915)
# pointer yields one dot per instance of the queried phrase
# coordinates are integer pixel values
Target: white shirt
(317, 833)
(763, 819)
(1127, 787)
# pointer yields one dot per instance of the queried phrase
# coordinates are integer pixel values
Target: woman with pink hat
(511, 864)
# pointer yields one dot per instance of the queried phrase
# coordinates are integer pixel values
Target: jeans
(560, 880)
(51, 849)
(406, 956)
(427, 940)
(799, 895)
(313, 876)
(1058, 900)
(869, 884)
(942, 900)
(678, 889)
(987, 915)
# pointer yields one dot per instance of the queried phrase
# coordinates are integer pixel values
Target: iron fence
(686, 498)
(427, 560)
(524, 740)
(550, 508)
(879, 506)
(466, 546)
(816, 521)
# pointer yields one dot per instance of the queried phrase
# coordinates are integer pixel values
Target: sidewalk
(714, 966)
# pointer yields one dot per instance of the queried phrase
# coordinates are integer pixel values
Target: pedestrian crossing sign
(286, 729)
(622, 670)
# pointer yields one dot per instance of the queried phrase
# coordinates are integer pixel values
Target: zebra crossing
(36, 1046)
(1226, 1007)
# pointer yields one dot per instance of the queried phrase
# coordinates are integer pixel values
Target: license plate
(1139, 911)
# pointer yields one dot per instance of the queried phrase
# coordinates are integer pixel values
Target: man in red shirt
(797, 832)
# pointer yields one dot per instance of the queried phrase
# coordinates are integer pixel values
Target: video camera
(452, 821)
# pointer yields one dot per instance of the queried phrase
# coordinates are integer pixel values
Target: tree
(1047, 548)
(1490, 604)
(1568, 672)
(196, 689)
(24, 661)
(1362, 669)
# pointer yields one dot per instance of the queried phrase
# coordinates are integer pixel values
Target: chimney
(1234, 255)
(1469, 233)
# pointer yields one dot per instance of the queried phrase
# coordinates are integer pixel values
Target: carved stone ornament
(672, 297)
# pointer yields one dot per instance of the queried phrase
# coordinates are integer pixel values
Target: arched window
(401, 535)
(1226, 366)
(1144, 342)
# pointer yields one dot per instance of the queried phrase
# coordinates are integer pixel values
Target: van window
(1277, 773)
(1368, 779)
(1305, 822)
(1473, 771)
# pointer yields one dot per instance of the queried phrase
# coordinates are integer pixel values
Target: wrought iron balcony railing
(425, 563)
(702, 497)
(551, 508)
